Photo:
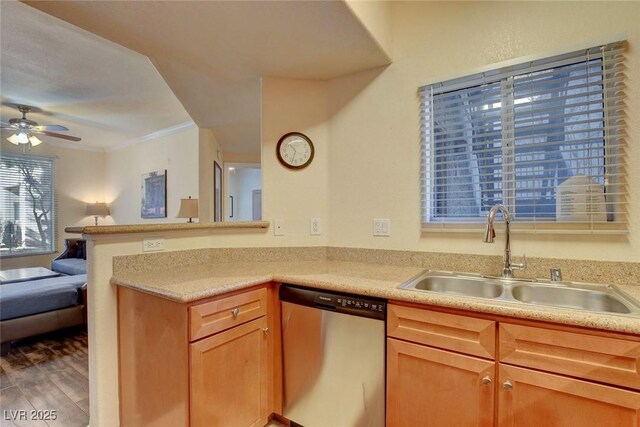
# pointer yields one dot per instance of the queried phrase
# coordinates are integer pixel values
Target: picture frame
(154, 194)
(217, 192)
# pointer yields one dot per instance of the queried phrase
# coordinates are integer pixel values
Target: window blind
(27, 222)
(545, 138)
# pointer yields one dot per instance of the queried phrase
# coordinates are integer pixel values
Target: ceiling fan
(25, 130)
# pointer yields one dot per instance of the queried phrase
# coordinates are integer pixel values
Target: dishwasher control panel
(338, 302)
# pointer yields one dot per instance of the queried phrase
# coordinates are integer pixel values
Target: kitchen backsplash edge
(610, 272)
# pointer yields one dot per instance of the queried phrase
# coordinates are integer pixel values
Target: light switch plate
(382, 227)
(316, 229)
(152, 245)
(278, 227)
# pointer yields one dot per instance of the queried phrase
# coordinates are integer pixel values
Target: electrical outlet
(152, 245)
(278, 227)
(382, 227)
(315, 227)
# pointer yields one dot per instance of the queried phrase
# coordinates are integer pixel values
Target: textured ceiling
(213, 53)
(80, 80)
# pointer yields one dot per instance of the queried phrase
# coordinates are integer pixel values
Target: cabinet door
(431, 387)
(229, 377)
(533, 398)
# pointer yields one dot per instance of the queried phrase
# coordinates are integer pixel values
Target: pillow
(81, 250)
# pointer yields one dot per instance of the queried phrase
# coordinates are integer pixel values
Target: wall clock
(295, 150)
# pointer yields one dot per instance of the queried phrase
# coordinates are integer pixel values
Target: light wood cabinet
(432, 387)
(224, 313)
(598, 358)
(207, 363)
(443, 330)
(529, 398)
(546, 375)
(229, 377)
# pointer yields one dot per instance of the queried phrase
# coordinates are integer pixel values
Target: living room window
(27, 208)
(544, 138)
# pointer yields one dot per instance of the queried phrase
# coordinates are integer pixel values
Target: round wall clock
(295, 150)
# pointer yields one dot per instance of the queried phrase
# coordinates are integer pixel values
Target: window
(544, 138)
(26, 205)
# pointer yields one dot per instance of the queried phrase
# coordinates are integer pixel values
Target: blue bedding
(70, 266)
(37, 296)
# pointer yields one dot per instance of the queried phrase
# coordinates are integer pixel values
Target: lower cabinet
(203, 364)
(535, 376)
(431, 387)
(229, 377)
(534, 398)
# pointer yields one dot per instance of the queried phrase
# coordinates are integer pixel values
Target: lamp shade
(188, 208)
(97, 209)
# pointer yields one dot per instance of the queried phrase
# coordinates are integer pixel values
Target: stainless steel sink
(573, 295)
(474, 287)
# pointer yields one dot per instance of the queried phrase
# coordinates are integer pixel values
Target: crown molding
(154, 135)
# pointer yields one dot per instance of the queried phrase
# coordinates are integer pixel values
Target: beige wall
(290, 105)
(375, 16)
(374, 128)
(79, 179)
(177, 153)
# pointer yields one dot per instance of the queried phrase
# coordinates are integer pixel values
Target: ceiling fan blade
(50, 127)
(59, 135)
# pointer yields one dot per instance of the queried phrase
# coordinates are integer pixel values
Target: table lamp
(97, 209)
(188, 209)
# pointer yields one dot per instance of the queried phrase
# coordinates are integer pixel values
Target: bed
(39, 306)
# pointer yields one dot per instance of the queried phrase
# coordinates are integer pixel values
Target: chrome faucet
(490, 234)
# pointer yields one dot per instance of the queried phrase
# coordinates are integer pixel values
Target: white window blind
(545, 138)
(27, 223)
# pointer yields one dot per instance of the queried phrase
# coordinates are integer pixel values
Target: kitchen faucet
(490, 234)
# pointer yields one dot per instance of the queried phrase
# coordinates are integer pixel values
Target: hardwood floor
(44, 374)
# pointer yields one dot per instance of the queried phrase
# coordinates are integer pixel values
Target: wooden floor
(48, 373)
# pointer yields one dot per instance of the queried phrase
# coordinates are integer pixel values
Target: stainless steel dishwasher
(333, 351)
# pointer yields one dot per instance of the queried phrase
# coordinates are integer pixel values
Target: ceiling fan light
(13, 139)
(34, 140)
(22, 138)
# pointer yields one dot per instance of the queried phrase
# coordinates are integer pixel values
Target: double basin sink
(582, 296)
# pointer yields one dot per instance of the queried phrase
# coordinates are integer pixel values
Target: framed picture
(217, 192)
(154, 194)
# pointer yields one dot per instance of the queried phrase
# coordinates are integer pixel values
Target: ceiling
(211, 54)
(104, 93)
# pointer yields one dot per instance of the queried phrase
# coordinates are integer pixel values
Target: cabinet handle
(265, 330)
(507, 385)
(235, 312)
(487, 380)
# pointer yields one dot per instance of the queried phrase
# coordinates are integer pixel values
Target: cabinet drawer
(608, 360)
(215, 316)
(449, 331)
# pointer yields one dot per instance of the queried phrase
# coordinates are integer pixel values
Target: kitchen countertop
(162, 227)
(206, 280)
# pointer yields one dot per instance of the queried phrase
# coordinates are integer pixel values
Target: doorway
(243, 188)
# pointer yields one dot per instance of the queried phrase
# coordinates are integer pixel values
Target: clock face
(295, 150)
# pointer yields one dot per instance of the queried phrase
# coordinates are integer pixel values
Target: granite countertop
(207, 280)
(162, 227)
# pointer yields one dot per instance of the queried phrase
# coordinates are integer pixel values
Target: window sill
(22, 255)
(531, 228)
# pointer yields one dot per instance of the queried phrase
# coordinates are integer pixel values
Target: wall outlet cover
(152, 245)
(382, 227)
(316, 229)
(278, 227)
